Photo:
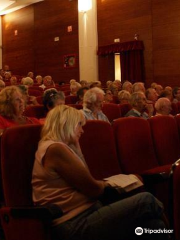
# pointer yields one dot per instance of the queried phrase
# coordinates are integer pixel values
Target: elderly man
(163, 106)
(139, 106)
(92, 104)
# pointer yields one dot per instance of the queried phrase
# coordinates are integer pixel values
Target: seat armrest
(155, 178)
(43, 213)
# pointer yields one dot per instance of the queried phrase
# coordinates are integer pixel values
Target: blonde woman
(12, 106)
(60, 177)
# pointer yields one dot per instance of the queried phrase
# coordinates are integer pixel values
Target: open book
(124, 182)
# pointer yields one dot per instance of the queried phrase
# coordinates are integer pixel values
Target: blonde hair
(60, 123)
(124, 95)
(27, 81)
(6, 98)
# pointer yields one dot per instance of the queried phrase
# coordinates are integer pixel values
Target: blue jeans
(116, 221)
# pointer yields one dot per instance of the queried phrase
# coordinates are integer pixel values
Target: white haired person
(92, 104)
(61, 178)
(163, 106)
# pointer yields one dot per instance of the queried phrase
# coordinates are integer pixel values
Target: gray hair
(91, 96)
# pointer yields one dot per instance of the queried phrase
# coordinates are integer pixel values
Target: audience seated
(176, 94)
(92, 104)
(158, 89)
(13, 80)
(28, 100)
(108, 97)
(124, 97)
(39, 79)
(47, 82)
(12, 107)
(163, 106)
(27, 81)
(127, 86)
(61, 171)
(138, 86)
(80, 94)
(74, 87)
(138, 102)
(31, 75)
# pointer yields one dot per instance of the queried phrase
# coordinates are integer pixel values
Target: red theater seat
(19, 218)
(166, 139)
(37, 111)
(111, 110)
(98, 146)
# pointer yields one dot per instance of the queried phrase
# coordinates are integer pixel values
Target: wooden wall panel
(18, 51)
(44, 21)
(158, 24)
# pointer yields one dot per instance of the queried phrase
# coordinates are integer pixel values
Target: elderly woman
(27, 81)
(92, 104)
(47, 82)
(52, 98)
(61, 178)
(12, 108)
(124, 97)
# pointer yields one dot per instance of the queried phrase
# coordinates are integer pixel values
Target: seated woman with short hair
(12, 107)
(61, 178)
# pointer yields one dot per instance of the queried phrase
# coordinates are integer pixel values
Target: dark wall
(34, 48)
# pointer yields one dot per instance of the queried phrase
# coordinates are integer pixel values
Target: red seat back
(134, 145)
(37, 111)
(166, 139)
(18, 147)
(124, 108)
(98, 146)
(111, 110)
(71, 99)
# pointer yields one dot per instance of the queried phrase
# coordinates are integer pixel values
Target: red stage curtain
(131, 55)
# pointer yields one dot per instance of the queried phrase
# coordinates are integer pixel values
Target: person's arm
(71, 169)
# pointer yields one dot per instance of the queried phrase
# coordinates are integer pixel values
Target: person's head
(153, 85)
(24, 91)
(13, 80)
(30, 74)
(39, 79)
(108, 83)
(11, 102)
(124, 97)
(81, 92)
(151, 95)
(127, 86)
(63, 123)
(95, 84)
(114, 89)
(176, 93)
(7, 76)
(168, 88)
(47, 81)
(93, 99)
(163, 106)
(6, 68)
(72, 81)
(108, 97)
(2, 84)
(83, 83)
(138, 86)
(159, 89)
(74, 87)
(52, 98)
(166, 94)
(27, 81)
(138, 101)
(118, 84)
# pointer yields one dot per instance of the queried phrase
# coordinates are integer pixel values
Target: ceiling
(7, 6)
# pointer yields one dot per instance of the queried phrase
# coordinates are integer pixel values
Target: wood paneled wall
(34, 48)
(158, 24)
(156, 21)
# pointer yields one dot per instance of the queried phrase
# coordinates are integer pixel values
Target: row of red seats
(129, 145)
